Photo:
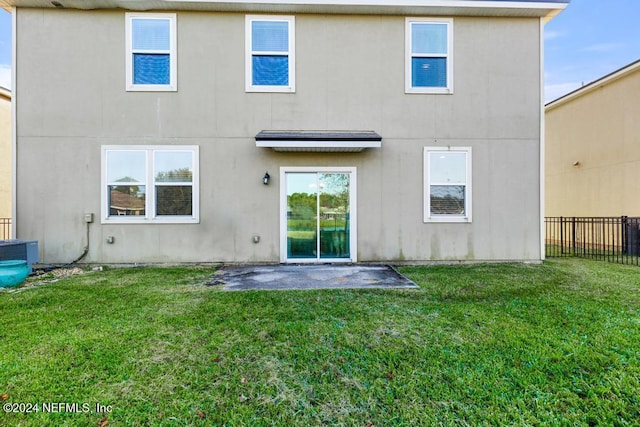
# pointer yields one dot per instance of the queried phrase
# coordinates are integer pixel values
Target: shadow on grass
(491, 282)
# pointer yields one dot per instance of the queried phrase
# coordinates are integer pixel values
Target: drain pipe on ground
(85, 250)
(88, 219)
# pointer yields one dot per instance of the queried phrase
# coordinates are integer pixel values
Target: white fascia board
(453, 7)
(532, 8)
(318, 145)
(401, 3)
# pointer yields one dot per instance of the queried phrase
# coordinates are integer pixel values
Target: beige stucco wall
(349, 76)
(5, 154)
(600, 130)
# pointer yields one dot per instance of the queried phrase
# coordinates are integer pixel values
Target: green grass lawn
(555, 344)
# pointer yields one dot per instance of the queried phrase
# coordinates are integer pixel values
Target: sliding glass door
(317, 224)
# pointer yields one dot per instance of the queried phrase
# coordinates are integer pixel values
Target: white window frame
(409, 88)
(173, 54)
(428, 217)
(249, 86)
(150, 185)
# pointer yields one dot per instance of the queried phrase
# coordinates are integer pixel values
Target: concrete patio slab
(281, 277)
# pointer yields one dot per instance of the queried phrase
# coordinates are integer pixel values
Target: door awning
(318, 141)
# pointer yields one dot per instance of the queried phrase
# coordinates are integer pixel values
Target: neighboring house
(593, 148)
(5, 161)
(265, 131)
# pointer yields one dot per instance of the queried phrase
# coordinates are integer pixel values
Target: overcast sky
(588, 40)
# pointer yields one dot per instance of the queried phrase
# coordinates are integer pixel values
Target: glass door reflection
(334, 215)
(318, 221)
(302, 217)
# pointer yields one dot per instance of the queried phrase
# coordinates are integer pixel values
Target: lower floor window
(447, 184)
(158, 183)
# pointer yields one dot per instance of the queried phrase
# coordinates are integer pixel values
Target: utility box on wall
(26, 250)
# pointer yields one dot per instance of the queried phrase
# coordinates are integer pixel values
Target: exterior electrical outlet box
(88, 217)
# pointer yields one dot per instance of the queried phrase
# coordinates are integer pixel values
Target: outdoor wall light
(266, 178)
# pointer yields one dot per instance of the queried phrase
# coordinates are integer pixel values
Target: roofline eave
(521, 8)
(598, 83)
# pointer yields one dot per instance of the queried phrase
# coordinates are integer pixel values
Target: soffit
(517, 8)
(318, 141)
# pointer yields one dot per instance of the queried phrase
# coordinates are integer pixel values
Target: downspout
(14, 127)
(542, 143)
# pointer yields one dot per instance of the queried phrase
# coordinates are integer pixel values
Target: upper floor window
(158, 183)
(429, 55)
(151, 63)
(447, 184)
(270, 53)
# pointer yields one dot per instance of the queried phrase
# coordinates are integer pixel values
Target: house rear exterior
(257, 131)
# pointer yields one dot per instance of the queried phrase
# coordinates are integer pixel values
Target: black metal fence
(613, 239)
(5, 228)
